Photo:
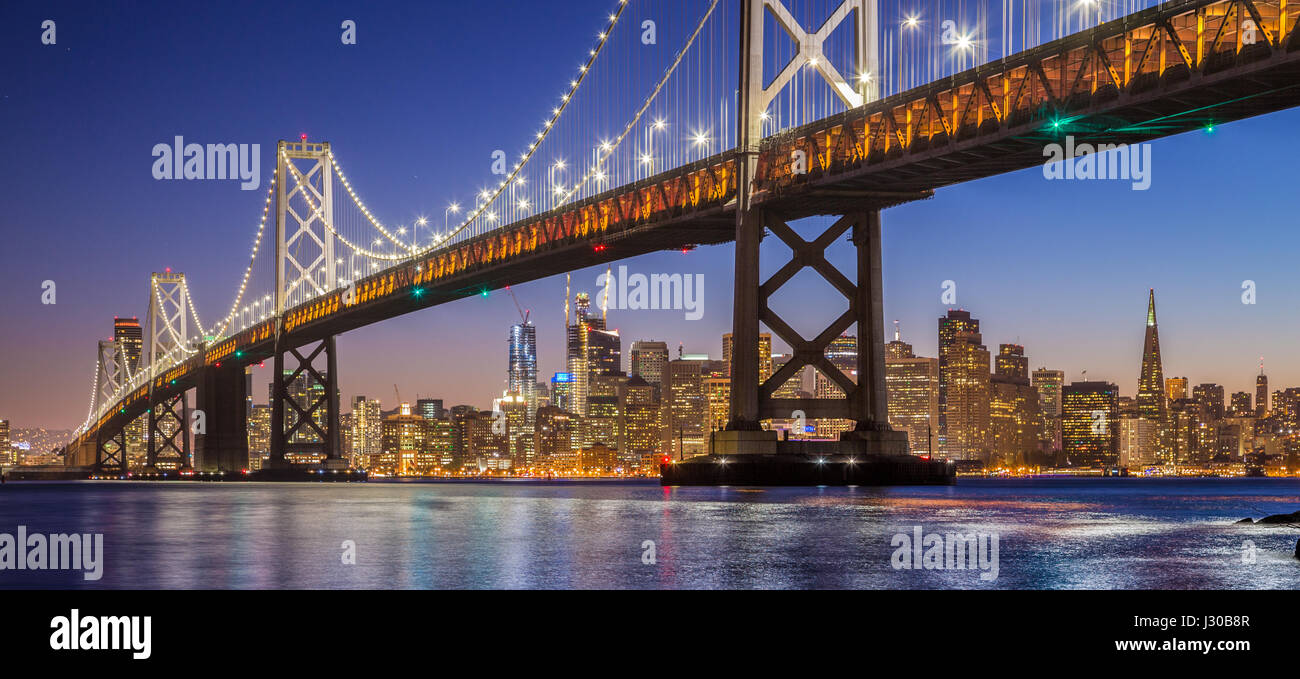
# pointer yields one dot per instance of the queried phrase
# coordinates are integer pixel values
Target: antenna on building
(604, 302)
(897, 332)
(1261, 365)
(568, 278)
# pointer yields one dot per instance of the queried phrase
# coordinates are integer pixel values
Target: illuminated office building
(683, 406)
(649, 358)
(556, 439)
(764, 355)
(1138, 442)
(1048, 385)
(1241, 406)
(1090, 423)
(8, 454)
(1015, 421)
(843, 354)
(641, 427)
(968, 435)
(957, 320)
(1151, 382)
(404, 443)
(1175, 388)
(521, 376)
(602, 423)
(429, 408)
(912, 386)
(259, 436)
(1261, 392)
(512, 411)
(367, 431)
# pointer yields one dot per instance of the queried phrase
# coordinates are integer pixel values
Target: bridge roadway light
(453, 208)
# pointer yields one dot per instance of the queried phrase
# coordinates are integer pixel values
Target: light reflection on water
(1053, 533)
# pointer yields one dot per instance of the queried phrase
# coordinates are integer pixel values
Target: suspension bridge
(762, 113)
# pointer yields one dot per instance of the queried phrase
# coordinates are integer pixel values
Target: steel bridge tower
(744, 452)
(304, 222)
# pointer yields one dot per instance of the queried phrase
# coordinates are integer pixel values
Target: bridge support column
(169, 434)
(110, 452)
(222, 444)
(305, 408)
(871, 453)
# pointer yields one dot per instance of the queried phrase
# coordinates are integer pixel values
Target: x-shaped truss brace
(305, 416)
(810, 52)
(111, 452)
(808, 254)
(165, 445)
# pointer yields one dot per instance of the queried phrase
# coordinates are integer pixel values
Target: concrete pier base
(793, 469)
(757, 458)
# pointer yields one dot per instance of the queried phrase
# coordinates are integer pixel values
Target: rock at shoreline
(1297, 549)
(1247, 520)
(1281, 518)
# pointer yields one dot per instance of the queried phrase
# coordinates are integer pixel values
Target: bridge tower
(111, 374)
(167, 334)
(305, 397)
(744, 452)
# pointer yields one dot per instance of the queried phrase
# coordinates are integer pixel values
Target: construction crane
(523, 313)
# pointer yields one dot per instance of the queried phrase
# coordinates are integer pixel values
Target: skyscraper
(956, 321)
(1261, 392)
(367, 430)
(1090, 423)
(1048, 384)
(639, 401)
(429, 408)
(969, 396)
(591, 350)
(764, 355)
(522, 371)
(1175, 388)
(912, 388)
(130, 337)
(1151, 403)
(7, 455)
(1014, 417)
(648, 360)
(843, 354)
(684, 405)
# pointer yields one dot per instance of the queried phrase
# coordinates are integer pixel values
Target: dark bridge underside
(886, 153)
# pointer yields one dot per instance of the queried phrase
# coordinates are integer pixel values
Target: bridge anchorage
(745, 453)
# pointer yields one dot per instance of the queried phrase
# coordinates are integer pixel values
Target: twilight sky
(1062, 267)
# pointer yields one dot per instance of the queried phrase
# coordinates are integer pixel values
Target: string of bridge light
(189, 301)
(94, 391)
(355, 199)
(607, 149)
(547, 126)
(257, 243)
(298, 180)
(167, 321)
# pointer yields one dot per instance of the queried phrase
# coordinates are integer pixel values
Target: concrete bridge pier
(221, 443)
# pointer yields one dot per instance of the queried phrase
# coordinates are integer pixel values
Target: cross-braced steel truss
(110, 452)
(169, 440)
(112, 373)
(304, 223)
(305, 406)
(167, 323)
